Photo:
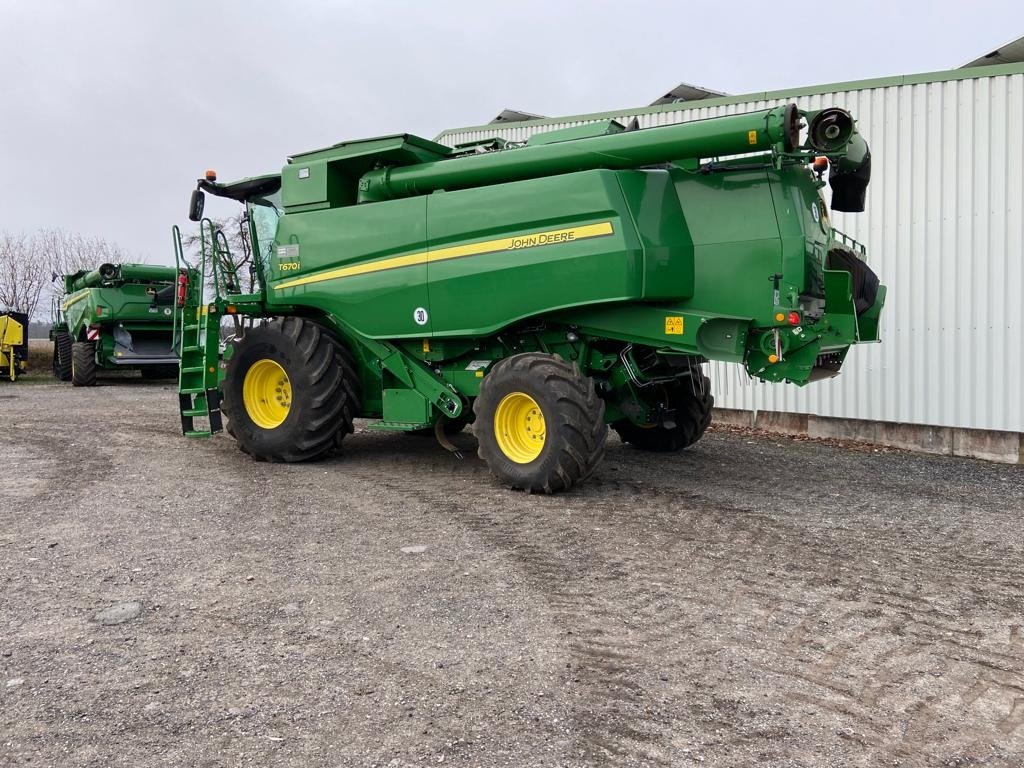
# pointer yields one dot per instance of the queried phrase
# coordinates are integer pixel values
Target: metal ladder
(197, 337)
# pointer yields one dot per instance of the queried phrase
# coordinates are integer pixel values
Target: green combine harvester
(542, 290)
(116, 317)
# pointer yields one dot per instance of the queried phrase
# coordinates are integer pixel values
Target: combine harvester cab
(543, 291)
(13, 345)
(116, 317)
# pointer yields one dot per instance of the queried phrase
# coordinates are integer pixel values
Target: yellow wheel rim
(267, 394)
(519, 427)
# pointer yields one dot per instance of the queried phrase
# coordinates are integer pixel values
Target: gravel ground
(755, 601)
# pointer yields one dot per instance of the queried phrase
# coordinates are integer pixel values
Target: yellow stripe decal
(514, 243)
(75, 300)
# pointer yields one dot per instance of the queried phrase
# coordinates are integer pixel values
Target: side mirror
(195, 205)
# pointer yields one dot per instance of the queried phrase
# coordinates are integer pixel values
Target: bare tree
(68, 252)
(23, 273)
(65, 253)
(29, 262)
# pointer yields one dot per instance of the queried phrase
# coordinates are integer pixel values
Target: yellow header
(513, 243)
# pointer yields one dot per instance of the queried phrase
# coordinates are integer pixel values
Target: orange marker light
(779, 317)
(821, 164)
(231, 309)
(773, 358)
(211, 175)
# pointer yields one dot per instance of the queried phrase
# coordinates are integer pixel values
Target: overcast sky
(110, 110)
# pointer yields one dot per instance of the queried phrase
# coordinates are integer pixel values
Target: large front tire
(685, 405)
(62, 344)
(539, 423)
(289, 391)
(83, 364)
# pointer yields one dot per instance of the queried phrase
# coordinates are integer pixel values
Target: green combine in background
(543, 291)
(115, 317)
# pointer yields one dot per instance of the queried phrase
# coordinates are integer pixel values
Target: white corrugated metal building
(944, 229)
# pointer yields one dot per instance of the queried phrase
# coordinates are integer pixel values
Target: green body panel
(604, 263)
(736, 241)
(628, 252)
(868, 323)
(329, 177)
(134, 327)
(637, 248)
(377, 304)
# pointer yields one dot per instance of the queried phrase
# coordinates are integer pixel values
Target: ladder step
(192, 348)
(397, 426)
(191, 326)
(193, 369)
(197, 433)
(196, 412)
(191, 390)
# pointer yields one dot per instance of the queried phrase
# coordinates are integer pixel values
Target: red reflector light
(99, 311)
(794, 318)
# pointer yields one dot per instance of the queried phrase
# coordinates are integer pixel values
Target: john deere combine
(13, 345)
(543, 290)
(118, 316)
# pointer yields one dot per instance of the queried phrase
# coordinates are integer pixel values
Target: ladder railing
(197, 334)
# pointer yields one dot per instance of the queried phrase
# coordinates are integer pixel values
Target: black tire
(83, 364)
(687, 404)
(323, 384)
(573, 414)
(62, 356)
(157, 372)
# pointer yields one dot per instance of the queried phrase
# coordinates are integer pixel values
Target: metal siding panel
(1012, 364)
(944, 227)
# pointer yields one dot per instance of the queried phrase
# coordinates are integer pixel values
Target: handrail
(847, 240)
(178, 318)
(228, 268)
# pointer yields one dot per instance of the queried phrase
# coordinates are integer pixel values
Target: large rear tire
(685, 406)
(62, 356)
(290, 392)
(539, 423)
(83, 364)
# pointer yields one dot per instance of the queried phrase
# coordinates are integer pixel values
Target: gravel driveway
(755, 601)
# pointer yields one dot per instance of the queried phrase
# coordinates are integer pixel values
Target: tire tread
(693, 404)
(332, 400)
(577, 426)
